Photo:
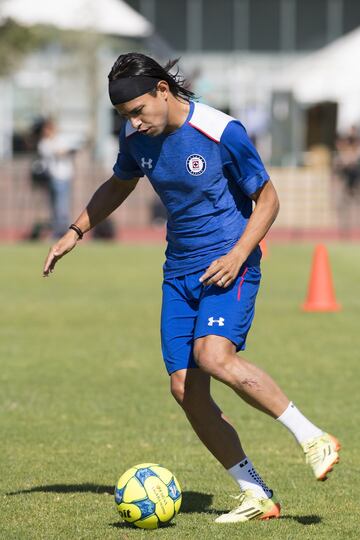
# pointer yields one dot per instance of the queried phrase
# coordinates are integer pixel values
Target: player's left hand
(223, 271)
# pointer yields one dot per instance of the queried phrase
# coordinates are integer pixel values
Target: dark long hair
(134, 64)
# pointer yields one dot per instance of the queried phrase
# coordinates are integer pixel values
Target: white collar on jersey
(208, 120)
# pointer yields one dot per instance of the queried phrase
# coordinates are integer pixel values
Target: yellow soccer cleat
(321, 453)
(251, 507)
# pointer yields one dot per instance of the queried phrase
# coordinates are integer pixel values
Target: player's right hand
(58, 250)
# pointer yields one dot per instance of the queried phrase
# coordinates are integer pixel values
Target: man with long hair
(208, 174)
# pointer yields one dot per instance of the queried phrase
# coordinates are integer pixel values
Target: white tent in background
(105, 16)
(332, 73)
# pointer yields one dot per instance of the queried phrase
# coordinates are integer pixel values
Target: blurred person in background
(347, 160)
(40, 183)
(57, 159)
(346, 167)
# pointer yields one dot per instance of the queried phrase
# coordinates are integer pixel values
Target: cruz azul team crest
(195, 164)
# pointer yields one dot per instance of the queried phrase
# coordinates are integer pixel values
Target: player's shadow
(304, 520)
(192, 502)
(67, 488)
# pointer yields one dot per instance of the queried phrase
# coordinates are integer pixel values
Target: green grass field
(84, 396)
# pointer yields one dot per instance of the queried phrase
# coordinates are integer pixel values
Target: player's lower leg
(191, 388)
(321, 449)
(217, 356)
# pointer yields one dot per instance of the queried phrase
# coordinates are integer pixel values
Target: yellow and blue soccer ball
(148, 496)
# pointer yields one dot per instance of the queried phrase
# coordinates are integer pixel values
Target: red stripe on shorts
(240, 284)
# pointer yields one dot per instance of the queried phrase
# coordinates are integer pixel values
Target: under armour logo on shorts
(146, 163)
(220, 321)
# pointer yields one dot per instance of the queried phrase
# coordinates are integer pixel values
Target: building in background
(246, 57)
(237, 52)
(287, 68)
(249, 25)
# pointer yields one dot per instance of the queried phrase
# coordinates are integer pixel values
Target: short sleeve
(126, 167)
(241, 159)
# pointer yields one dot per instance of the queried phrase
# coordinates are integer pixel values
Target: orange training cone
(264, 248)
(321, 296)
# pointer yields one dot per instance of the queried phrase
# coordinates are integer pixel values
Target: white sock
(300, 427)
(246, 476)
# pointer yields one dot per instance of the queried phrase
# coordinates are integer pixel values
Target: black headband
(126, 89)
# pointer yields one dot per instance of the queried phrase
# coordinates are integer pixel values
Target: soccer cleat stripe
(254, 514)
(246, 510)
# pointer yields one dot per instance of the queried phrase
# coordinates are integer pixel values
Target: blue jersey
(204, 173)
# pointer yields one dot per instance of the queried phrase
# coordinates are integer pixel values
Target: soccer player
(208, 174)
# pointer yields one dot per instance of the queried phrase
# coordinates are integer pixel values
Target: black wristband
(77, 230)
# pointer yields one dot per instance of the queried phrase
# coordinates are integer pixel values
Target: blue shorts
(191, 310)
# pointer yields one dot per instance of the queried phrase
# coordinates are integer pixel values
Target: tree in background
(16, 41)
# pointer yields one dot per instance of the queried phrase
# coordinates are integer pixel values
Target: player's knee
(184, 397)
(208, 358)
(191, 393)
(177, 387)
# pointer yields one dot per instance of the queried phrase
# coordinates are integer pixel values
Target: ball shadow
(196, 502)
(67, 488)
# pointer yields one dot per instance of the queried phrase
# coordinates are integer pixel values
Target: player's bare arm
(110, 195)
(224, 270)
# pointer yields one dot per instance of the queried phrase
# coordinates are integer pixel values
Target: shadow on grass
(304, 520)
(67, 488)
(193, 501)
(124, 525)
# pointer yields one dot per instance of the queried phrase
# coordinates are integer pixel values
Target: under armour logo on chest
(146, 163)
(220, 321)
